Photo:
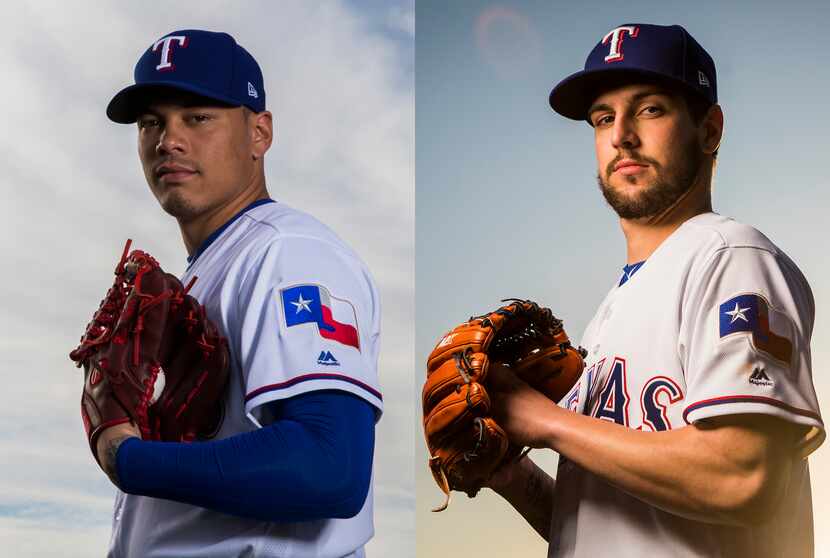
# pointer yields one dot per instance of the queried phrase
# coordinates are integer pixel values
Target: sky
(339, 80)
(507, 203)
(506, 206)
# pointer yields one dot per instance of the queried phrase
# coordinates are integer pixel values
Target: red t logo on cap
(616, 36)
(166, 44)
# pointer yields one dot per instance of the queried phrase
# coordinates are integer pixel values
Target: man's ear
(712, 129)
(262, 133)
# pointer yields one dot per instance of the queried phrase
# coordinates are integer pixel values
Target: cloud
(343, 103)
(402, 18)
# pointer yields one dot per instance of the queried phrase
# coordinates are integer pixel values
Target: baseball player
(688, 432)
(289, 471)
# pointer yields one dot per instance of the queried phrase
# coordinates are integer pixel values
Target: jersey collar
(218, 232)
(629, 271)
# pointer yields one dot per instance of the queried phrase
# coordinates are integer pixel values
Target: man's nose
(172, 139)
(624, 133)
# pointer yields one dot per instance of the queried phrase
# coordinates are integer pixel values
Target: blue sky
(507, 202)
(339, 81)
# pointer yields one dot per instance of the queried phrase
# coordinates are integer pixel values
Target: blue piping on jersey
(629, 271)
(215, 234)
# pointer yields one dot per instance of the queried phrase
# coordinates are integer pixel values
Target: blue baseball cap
(206, 63)
(665, 53)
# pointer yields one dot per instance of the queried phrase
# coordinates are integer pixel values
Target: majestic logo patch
(312, 304)
(760, 378)
(750, 313)
(327, 359)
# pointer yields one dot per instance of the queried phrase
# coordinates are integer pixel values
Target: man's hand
(107, 448)
(518, 408)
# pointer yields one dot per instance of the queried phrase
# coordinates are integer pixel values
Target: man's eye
(607, 119)
(652, 110)
(200, 118)
(147, 122)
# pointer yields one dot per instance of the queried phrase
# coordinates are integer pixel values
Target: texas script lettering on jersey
(612, 402)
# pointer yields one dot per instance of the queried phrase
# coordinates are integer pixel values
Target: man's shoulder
(278, 234)
(712, 232)
(275, 222)
(718, 238)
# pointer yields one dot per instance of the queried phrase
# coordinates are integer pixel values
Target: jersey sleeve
(308, 318)
(745, 340)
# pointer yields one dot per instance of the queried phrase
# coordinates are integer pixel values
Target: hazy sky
(339, 81)
(507, 202)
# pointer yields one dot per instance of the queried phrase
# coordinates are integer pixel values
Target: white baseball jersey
(301, 313)
(717, 321)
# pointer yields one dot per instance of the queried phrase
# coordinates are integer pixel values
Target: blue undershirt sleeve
(313, 462)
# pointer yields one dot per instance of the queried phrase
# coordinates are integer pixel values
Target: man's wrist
(511, 477)
(107, 446)
(553, 424)
(109, 457)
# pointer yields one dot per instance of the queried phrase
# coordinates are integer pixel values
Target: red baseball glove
(151, 357)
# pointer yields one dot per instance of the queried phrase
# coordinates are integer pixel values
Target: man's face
(648, 149)
(196, 154)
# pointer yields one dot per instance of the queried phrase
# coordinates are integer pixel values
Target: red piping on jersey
(749, 399)
(307, 377)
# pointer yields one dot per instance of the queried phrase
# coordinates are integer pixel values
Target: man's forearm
(313, 462)
(731, 474)
(728, 470)
(530, 491)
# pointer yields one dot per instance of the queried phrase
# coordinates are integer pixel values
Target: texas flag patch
(312, 304)
(750, 313)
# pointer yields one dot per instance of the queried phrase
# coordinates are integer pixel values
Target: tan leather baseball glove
(466, 445)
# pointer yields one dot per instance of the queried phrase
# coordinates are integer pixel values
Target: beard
(667, 188)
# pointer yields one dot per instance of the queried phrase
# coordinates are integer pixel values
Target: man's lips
(180, 176)
(629, 166)
(174, 173)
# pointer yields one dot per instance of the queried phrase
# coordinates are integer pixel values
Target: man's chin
(179, 207)
(631, 201)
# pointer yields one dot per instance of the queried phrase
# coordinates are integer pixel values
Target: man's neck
(195, 232)
(643, 236)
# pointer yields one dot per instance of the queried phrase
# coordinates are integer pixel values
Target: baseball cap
(206, 63)
(664, 52)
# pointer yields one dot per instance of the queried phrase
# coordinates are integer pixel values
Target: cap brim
(573, 96)
(125, 107)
